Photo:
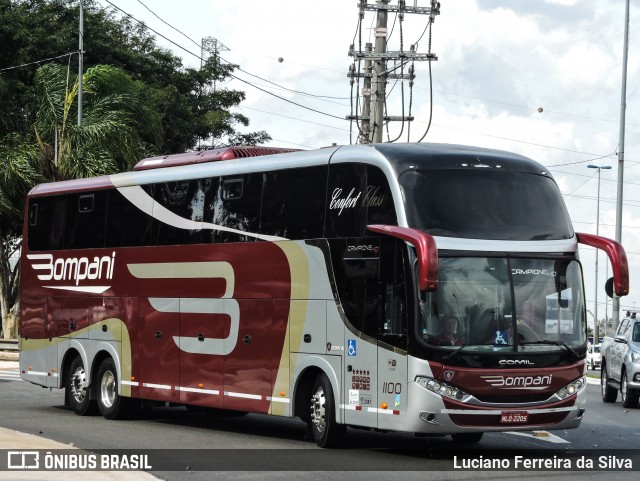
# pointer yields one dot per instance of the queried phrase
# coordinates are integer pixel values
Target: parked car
(621, 363)
(593, 356)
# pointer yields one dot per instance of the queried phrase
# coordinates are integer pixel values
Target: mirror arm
(426, 251)
(617, 256)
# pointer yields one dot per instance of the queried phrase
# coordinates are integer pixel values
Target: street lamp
(596, 327)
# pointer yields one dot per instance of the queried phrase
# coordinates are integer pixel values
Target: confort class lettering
(348, 202)
(72, 268)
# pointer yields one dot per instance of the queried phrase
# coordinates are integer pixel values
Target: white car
(593, 356)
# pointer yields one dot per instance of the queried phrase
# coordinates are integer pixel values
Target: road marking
(541, 436)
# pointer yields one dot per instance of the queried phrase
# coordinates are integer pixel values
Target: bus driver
(448, 336)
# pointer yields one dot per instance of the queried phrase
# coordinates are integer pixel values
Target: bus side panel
(201, 375)
(247, 369)
(157, 355)
(280, 368)
(392, 388)
(38, 352)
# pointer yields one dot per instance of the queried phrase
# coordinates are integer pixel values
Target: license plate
(514, 417)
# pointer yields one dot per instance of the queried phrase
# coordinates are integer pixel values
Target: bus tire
(629, 396)
(110, 403)
(609, 394)
(327, 433)
(78, 390)
(467, 438)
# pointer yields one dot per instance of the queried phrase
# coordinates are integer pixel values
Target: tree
(190, 109)
(119, 115)
(139, 100)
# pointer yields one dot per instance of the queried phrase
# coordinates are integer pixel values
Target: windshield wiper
(454, 353)
(553, 343)
(460, 348)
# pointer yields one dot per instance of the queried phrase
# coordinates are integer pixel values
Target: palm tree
(121, 125)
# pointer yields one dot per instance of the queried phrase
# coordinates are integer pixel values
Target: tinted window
(485, 204)
(86, 220)
(370, 278)
(293, 203)
(127, 225)
(357, 195)
(178, 212)
(46, 223)
(233, 205)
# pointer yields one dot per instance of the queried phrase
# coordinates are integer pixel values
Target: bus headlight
(442, 388)
(572, 388)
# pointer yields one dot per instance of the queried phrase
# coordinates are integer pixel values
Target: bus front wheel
(77, 389)
(327, 433)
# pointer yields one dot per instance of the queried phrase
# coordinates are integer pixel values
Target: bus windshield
(493, 303)
(488, 204)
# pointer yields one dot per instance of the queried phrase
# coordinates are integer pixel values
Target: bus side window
(393, 298)
(184, 199)
(47, 223)
(235, 203)
(357, 195)
(293, 203)
(86, 220)
(395, 316)
(127, 225)
(372, 288)
(33, 214)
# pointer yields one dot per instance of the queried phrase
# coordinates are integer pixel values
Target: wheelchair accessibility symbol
(351, 347)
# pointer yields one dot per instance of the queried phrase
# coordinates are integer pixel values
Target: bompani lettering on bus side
(75, 269)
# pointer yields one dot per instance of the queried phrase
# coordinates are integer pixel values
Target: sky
(542, 78)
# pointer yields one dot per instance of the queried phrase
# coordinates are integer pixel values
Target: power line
(230, 74)
(38, 61)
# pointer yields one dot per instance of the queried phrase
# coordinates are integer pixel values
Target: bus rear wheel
(111, 404)
(77, 389)
(467, 438)
(327, 433)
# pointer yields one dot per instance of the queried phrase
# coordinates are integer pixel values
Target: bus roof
(212, 155)
(397, 157)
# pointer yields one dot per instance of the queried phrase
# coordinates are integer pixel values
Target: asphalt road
(263, 447)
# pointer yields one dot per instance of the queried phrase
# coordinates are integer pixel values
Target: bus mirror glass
(608, 287)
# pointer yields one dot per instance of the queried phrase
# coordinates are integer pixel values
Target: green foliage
(183, 98)
(138, 100)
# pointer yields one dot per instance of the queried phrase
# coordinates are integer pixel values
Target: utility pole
(379, 81)
(623, 108)
(376, 74)
(366, 98)
(212, 46)
(80, 62)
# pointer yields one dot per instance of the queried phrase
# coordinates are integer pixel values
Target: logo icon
(448, 375)
(351, 347)
(23, 460)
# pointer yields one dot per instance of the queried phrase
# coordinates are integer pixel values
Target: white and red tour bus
(426, 288)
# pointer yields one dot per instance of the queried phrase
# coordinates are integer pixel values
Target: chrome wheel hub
(318, 401)
(108, 389)
(79, 385)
